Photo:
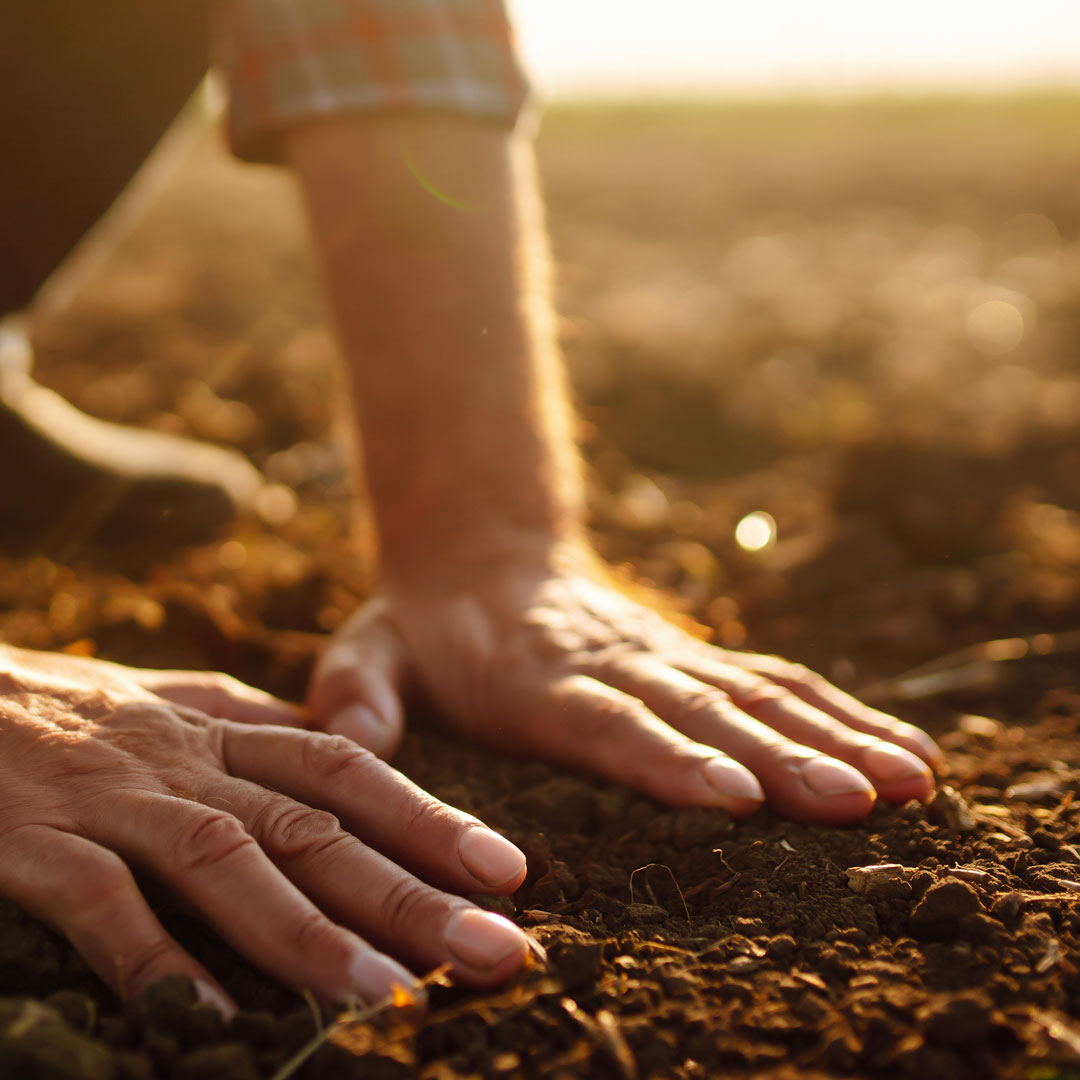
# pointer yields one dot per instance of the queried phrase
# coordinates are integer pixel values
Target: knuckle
(406, 907)
(217, 688)
(141, 714)
(329, 755)
(761, 692)
(602, 712)
(20, 824)
(795, 676)
(690, 705)
(788, 757)
(96, 880)
(313, 934)
(290, 830)
(604, 719)
(791, 671)
(424, 813)
(145, 965)
(147, 730)
(210, 839)
(799, 676)
(219, 680)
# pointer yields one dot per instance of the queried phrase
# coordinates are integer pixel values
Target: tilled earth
(679, 943)
(938, 575)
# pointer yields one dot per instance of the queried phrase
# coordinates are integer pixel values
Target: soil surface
(858, 321)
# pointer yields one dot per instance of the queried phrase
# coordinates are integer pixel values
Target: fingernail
(732, 780)
(828, 777)
(362, 725)
(374, 976)
(891, 764)
(538, 951)
(490, 858)
(211, 995)
(930, 749)
(481, 939)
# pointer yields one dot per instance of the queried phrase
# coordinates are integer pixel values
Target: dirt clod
(36, 1042)
(956, 1021)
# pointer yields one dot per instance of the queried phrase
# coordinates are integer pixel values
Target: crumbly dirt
(922, 508)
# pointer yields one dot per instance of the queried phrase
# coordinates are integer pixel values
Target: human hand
(542, 656)
(212, 788)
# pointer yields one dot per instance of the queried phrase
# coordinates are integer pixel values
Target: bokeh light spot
(995, 327)
(756, 531)
(232, 555)
(276, 504)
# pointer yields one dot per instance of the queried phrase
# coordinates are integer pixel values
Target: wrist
(460, 510)
(467, 558)
(436, 552)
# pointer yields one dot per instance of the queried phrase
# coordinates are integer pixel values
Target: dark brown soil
(681, 944)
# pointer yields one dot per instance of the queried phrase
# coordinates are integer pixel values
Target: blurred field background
(859, 320)
(829, 273)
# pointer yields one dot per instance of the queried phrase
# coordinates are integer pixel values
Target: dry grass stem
(648, 887)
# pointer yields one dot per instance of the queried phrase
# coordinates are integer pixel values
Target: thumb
(356, 688)
(220, 695)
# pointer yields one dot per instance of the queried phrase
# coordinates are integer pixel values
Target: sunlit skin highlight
(491, 596)
(215, 789)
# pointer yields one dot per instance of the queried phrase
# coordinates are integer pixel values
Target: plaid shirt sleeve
(289, 60)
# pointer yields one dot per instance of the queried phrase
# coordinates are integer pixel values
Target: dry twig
(652, 895)
(400, 999)
(975, 667)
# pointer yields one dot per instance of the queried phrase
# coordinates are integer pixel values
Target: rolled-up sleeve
(292, 60)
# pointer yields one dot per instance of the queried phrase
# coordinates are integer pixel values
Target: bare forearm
(469, 459)
(430, 234)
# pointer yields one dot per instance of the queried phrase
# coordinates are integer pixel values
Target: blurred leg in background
(88, 91)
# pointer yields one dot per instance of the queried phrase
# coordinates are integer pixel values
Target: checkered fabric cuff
(289, 60)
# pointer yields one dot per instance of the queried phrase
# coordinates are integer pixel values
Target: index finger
(220, 695)
(377, 804)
